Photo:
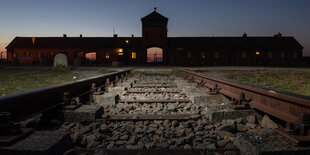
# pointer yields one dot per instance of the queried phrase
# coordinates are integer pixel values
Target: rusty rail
(26, 104)
(292, 108)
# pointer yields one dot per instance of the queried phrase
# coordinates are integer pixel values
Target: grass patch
(19, 80)
(291, 81)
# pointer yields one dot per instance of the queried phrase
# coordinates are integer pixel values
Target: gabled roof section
(154, 16)
(154, 19)
(255, 43)
(73, 42)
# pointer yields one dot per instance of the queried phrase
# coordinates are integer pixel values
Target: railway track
(294, 109)
(151, 113)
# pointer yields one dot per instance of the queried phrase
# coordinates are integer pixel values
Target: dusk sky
(186, 18)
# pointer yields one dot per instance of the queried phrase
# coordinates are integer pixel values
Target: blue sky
(186, 18)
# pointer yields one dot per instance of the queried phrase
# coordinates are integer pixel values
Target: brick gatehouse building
(156, 47)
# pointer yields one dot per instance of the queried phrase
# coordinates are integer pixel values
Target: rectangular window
(203, 55)
(244, 54)
(189, 55)
(27, 54)
(270, 55)
(295, 55)
(216, 55)
(133, 55)
(107, 55)
(282, 55)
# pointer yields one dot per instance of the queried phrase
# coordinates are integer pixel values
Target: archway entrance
(154, 55)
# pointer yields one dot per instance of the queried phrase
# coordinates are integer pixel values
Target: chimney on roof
(278, 35)
(132, 36)
(65, 36)
(81, 36)
(115, 35)
(244, 35)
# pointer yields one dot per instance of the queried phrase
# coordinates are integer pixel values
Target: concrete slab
(40, 143)
(105, 99)
(85, 112)
(266, 143)
(217, 109)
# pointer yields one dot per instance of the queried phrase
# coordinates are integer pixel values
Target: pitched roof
(154, 16)
(173, 42)
(74, 42)
(234, 42)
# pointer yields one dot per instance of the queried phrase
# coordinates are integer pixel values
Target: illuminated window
(257, 53)
(120, 50)
(244, 54)
(107, 55)
(127, 41)
(133, 55)
(120, 53)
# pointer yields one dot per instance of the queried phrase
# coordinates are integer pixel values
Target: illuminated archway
(154, 55)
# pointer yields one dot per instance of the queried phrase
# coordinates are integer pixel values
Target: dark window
(244, 54)
(270, 55)
(295, 55)
(189, 55)
(216, 55)
(282, 55)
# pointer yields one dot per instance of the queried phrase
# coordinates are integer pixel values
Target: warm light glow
(133, 55)
(257, 53)
(120, 50)
(107, 56)
(91, 56)
(120, 53)
(127, 41)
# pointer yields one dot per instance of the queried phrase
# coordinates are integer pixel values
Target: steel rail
(285, 106)
(25, 104)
